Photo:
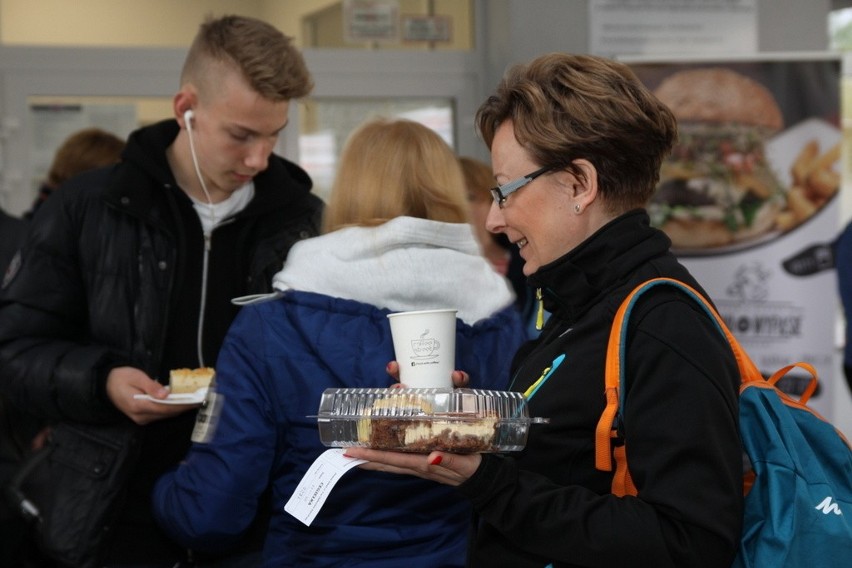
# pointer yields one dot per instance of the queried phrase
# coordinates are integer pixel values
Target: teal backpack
(798, 492)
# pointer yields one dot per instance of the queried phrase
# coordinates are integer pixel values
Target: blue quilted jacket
(276, 361)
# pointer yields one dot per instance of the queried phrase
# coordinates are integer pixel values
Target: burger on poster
(717, 187)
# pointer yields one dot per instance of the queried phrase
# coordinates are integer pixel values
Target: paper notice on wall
(370, 20)
(643, 27)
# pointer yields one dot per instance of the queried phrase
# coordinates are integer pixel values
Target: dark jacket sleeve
(46, 363)
(681, 431)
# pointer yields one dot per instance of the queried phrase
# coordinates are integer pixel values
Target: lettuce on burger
(717, 187)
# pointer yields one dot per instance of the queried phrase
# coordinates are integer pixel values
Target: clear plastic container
(423, 420)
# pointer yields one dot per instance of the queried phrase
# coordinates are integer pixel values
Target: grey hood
(403, 264)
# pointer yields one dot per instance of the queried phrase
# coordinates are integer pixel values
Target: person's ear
(584, 188)
(182, 103)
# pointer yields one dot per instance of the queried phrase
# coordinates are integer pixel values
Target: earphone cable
(198, 173)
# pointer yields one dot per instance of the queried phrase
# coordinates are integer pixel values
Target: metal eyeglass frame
(500, 193)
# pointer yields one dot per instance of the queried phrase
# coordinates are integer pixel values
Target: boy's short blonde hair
(265, 57)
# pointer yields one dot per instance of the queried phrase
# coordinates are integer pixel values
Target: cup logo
(425, 347)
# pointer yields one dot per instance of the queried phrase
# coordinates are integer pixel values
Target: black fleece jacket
(548, 504)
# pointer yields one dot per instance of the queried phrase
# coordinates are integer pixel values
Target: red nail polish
(436, 460)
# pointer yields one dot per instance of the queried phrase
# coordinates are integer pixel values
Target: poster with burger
(750, 199)
(735, 178)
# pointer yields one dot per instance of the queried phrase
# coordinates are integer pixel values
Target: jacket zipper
(205, 270)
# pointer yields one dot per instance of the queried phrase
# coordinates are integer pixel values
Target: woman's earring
(577, 209)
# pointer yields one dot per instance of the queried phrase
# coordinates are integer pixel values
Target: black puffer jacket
(99, 269)
(112, 275)
(12, 231)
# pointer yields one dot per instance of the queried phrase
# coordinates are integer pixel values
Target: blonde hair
(265, 57)
(395, 167)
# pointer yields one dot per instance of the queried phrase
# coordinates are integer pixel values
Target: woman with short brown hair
(576, 145)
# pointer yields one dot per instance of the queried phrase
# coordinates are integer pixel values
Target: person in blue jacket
(396, 237)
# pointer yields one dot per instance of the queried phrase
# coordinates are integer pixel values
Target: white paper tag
(208, 417)
(319, 480)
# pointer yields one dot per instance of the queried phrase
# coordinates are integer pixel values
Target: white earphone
(188, 115)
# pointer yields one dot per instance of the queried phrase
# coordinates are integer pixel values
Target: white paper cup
(424, 343)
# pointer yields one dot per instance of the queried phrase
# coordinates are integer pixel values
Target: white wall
(793, 25)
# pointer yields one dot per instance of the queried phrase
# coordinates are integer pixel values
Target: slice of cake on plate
(190, 380)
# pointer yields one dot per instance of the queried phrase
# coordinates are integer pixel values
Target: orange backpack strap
(809, 390)
(802, 402)
(614, 377)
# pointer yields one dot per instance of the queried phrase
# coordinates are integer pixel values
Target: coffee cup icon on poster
(425, 347)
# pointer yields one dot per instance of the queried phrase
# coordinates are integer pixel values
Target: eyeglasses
(500, 193)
